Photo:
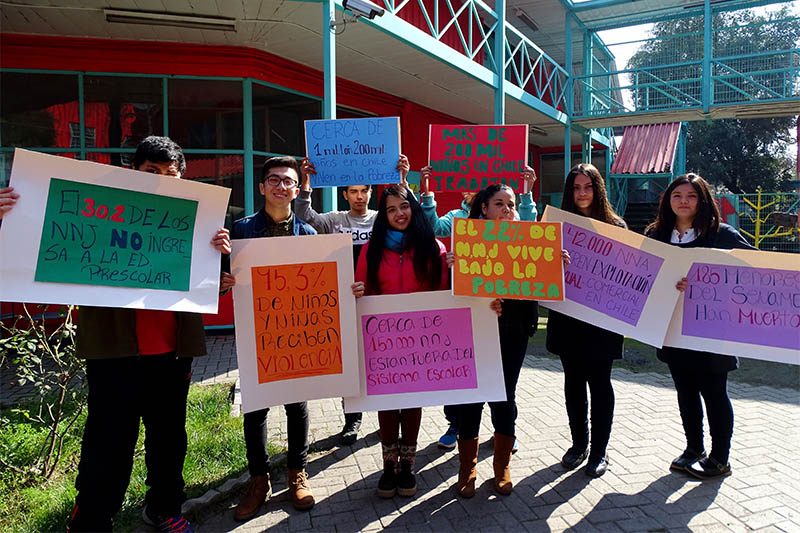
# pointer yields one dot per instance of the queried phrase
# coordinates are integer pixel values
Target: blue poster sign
(353, 151)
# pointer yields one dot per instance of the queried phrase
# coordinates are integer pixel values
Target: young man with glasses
(278, 186)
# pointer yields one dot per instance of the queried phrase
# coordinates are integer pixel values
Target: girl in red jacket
(402, 256)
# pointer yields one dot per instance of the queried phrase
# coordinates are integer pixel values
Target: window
(120, 111)
(278, 120)
(36, 110)
(206, 113)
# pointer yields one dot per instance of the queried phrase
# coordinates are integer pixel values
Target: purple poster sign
(419, 351)
(607, 275)
(743, 304)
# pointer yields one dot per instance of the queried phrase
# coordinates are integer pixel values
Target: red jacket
(396, 274)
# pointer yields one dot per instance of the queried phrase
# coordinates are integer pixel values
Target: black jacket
(570, 337)
(519, 317)
(726, 238)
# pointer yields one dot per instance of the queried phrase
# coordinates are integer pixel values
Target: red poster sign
(470, 158)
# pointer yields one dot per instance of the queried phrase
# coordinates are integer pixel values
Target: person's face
(170, 169)
(501, 206)
(398, 213)
(279, 187)
(358, 197)
(684, 202)
(583, 193)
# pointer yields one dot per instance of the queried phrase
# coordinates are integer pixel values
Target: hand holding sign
(8, 199)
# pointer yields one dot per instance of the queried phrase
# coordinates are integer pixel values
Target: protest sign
(295, 319)
(471, 157)
(507, 259)
(742, 302)
(618, 280)
(141, 240)
(353, 151)
(426, 348)
(96, 235)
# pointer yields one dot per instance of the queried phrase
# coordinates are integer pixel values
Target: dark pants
(401, 425)
(451, 414)
(596, 373)
(504, 413)
(152, 388)
(255, 438)
(713, 388)
(351, 418)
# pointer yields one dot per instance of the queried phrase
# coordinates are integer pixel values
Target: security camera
(363, 8)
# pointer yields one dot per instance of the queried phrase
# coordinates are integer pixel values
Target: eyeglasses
(274, 181)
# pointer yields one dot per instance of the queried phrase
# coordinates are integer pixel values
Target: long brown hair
(706, 221)
(419, 237)
(600, 209)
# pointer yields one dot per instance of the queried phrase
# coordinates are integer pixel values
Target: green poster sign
(97, 235)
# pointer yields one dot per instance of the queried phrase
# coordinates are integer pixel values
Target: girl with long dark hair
(586, 351)
(689, 217)
(517, 322)
(402, 256)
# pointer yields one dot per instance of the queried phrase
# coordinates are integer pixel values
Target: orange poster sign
(296, 310)
(507, 259)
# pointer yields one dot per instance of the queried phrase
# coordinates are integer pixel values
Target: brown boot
(300, 492)
(258, 491)
(468, 458)
(503, 444)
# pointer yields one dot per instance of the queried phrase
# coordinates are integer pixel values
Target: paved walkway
(637, 494)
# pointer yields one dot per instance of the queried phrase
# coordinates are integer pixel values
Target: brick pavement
(637, 494)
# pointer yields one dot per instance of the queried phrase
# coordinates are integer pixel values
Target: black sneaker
(349, 433)
(387, 484)
(170, 524)
(574, 457)
(406, 480)
(686, 459)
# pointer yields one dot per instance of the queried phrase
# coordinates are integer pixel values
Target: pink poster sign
(607, 275)
(743, 304)
(419, 351)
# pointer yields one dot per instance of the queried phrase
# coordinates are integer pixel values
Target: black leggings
(691, 385)
(596, 373)
(504, 413)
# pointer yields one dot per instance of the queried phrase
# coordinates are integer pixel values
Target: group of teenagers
(138, 362)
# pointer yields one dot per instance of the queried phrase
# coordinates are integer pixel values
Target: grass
(216, 453)
(640, 357)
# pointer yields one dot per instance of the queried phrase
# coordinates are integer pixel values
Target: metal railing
(469, 27)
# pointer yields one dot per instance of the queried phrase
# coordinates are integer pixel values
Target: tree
(742, 155)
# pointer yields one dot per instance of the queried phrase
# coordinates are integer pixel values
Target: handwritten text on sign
(743, 304)
(296, 310)
(608, 276)
(505, 259)
(359, 151)
(419, 351)
(99, 235)
(470, 158)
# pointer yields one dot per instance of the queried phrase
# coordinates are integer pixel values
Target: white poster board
(426, 348)
(135, 214)
(295, 317)
(618, 280)
(740, 302)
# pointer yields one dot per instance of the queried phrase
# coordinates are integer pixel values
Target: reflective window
(206, 114)
(39, 110)
(278, 118)
(121, 111)
(222, 170)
